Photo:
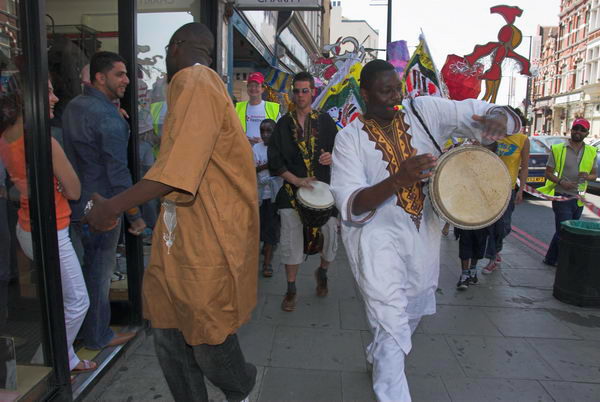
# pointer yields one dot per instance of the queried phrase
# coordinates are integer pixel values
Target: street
(535, 217)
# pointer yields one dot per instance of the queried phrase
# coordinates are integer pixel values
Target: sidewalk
(505, 339)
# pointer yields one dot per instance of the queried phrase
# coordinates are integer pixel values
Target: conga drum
(470, 187)
(315, 206)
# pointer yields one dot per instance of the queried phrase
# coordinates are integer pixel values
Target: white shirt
(268, 186)
(395, 265)
(255, 114)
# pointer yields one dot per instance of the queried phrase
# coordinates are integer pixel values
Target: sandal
(86, 367)
(267, 271)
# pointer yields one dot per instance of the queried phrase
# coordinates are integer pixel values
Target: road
(535, 218)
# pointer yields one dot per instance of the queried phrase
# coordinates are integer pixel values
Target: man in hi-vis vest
(570, 166)
(255, 110)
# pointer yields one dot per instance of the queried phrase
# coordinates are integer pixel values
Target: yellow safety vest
(271, 111)
(586, 165)
(155, 109)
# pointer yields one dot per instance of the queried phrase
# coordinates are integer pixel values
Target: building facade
(342, 27)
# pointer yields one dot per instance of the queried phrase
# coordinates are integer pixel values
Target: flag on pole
(420, 75)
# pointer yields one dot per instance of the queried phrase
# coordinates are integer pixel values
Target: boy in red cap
(570, 166)
(253, 111)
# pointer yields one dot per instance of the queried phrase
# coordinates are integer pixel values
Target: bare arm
(297, 181)
(71, 187)
(524, 172)
(105, 213)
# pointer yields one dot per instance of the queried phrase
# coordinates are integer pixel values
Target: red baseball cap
(581, 122)
(256, 77)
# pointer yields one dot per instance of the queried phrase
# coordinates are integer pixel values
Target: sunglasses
(175, 42)
(296, 91)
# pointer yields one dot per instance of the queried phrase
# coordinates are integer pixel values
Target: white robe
(395, 265)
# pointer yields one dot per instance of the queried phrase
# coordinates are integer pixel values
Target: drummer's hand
(305, 182)
(325, 158)
(415, 169)
(493, 125)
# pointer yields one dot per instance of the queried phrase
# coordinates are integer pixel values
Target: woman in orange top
(66, 187)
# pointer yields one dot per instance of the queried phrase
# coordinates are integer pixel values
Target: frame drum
(470, 187)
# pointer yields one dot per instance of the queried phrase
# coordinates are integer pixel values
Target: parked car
(539, 150)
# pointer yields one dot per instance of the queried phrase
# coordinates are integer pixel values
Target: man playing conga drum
(391, 234)
(300, 152)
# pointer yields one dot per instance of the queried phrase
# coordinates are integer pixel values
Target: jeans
(563, 211)
(75, 297)
(99, 262)
(184, 367)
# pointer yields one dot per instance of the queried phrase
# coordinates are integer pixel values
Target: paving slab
(357, 387)
(584, 323)
(493, 357)
(534, 278)
(294, 385)
(311, 311)
(256, 341)
(427, 389)
(572, 391)
(459, 320)
(319, 349)
(352, 314)
(528, 323)
(574, 360)
(477, 390)
(432, 357)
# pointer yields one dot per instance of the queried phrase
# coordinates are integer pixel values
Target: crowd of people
(228, 178)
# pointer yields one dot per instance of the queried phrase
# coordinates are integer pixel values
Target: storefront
(56, 38)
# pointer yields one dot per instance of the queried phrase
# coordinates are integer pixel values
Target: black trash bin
(577, 279)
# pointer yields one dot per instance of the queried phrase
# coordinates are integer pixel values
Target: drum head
(470, 187)
(318, 197)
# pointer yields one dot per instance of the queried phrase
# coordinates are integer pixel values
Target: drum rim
(433, 181)
(306, 204)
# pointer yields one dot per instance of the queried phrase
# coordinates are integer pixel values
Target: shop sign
(568, 98)
(278, 4)
(164, 5)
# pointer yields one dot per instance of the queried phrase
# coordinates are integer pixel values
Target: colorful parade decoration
(420, 76)
(398, 55)
(462, 79)
(509, 38)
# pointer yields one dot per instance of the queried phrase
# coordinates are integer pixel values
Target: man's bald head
(190, 44)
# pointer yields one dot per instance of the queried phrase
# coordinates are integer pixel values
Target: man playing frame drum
(391, 233)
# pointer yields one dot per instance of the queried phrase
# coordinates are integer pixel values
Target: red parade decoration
(462, 79)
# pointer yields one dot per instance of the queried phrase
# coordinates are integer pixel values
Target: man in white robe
(391, 233)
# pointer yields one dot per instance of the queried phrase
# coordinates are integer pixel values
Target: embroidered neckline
(394, 151)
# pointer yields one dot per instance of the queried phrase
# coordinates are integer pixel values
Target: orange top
(13, 156)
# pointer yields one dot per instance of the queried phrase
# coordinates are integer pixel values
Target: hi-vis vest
(559, 152)
(271, 111)
(155, 109)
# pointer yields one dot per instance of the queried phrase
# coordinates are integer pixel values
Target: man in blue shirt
(95, 138)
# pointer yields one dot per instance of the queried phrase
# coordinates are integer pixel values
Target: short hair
(369, 72)
(304, 76)
(103, 62)
(268, 121)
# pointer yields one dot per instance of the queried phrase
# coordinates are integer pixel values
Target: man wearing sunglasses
(300, 152)
(253, 111)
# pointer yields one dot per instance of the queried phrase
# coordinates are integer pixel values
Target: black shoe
(463, 283)
(473, 280)
(545, 261)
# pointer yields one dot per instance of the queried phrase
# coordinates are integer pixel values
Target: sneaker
(463, 283)
(473, 279)
(490, 268)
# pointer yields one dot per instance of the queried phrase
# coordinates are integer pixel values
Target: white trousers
(291, 241)
(387, 357)
(75, 296)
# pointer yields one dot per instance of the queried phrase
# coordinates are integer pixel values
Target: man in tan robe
(201, 283)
